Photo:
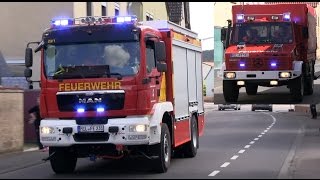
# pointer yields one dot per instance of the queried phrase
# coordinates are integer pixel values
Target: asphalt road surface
(236, 144)
(269, 95)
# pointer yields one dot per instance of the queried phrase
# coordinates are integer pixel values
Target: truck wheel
(251, 89)
(297, 88)
(63, 161)
(230, 91)
(190, 149)
(163, 151)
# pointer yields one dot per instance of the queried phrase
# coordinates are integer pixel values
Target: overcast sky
(201, 19)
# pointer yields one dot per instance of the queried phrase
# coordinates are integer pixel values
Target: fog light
(47, 130)
(138, 128)
(230, 75)
(285, 74)
(240, 83)
(273, 83)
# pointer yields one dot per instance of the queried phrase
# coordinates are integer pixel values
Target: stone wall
(11, 119)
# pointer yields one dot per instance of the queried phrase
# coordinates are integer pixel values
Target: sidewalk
(306, 161)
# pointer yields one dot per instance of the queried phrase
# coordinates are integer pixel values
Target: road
(236, 144)
(269, 95)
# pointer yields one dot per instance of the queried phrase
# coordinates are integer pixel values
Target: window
(149, 17)
(89, 8)
(103, 10)
(151, 63)
(116, 8)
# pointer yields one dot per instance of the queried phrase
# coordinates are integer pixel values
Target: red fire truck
(113, 87)
(269, 45)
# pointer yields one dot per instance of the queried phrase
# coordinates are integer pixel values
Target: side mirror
(28, 72)
(223, 34)
(162, 67)
(160, 51)
(28, 57)
(305, 33)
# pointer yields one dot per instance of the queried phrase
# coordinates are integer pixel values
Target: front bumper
(122, 137)
(261, 75)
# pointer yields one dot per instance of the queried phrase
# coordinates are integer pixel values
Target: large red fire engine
(111, 87)
(270, 45)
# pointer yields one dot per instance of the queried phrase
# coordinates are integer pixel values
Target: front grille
(85, 137)
(110, 101)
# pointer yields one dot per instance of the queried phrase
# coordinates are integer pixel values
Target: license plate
(90, 128)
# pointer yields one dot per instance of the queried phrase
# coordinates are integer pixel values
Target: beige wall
(25, 21)
(318, 31)
(157, 9)
(80, 9)
(11, 118)
(222, 12)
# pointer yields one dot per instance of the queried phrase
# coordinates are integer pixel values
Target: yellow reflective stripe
(163, 92)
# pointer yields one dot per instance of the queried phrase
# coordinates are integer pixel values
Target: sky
(201, 19)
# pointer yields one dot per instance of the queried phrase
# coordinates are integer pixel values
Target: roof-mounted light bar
(94, 20)
(286, 16)
(240, 17)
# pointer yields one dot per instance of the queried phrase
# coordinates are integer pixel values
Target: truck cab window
(150, 58)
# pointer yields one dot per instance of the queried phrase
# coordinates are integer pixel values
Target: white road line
(247, 146)
(241, 151)
(225, 164)
(265, 131)
(260, 136)
(234, 157)
(252, 142)
(256, 139)
(214, 173)
(31, 149)
(262, 133)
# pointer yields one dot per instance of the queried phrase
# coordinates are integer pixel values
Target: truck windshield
(262, 33)
(91, 60)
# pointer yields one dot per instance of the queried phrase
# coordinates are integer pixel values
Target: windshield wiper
(108, 75)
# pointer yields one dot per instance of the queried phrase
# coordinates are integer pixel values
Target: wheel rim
(194, 135)
(166, 148)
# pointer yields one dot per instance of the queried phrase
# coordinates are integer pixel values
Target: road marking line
(31, 149)
(234, 157)
(256, 139)
(262, 133)
(241, 151)
(214, 173)
(260, 136)
(225, 164)
(247, 146)
(252, 142)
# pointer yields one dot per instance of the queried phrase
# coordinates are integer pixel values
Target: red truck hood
(259, 57)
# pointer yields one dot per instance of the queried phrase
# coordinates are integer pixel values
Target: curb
(286, 171)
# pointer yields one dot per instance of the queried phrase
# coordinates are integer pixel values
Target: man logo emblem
(89, 100)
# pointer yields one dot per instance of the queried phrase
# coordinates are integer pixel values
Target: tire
(297, 88)
(251, 89)
(230, 91)
(270, 110)
(252, 109)
(63, 161)
(191, 148)
(163, 151)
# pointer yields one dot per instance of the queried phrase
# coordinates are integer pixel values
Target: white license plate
(90, 128)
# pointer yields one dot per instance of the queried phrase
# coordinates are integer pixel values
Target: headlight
(230, 75)
(138, 128)
(47, 130)
(285, 74)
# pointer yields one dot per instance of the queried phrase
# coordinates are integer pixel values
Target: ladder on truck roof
(165, 24)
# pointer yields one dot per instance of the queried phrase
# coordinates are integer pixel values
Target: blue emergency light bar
(286, 16)
(93, 20)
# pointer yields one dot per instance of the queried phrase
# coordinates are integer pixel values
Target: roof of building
(209, 63)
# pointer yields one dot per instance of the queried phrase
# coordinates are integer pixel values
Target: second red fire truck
(270, 45)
